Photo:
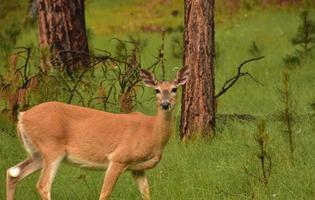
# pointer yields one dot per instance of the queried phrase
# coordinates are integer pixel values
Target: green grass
(211, 169)
(131, 16)
(198, 170)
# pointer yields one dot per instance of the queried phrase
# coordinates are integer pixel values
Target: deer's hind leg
(49, 169)
(20, 171)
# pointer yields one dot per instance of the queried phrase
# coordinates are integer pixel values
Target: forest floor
(226, 166)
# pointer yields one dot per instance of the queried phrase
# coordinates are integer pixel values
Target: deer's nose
(165, 105)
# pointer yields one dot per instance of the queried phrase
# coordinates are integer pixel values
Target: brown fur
(53, 131)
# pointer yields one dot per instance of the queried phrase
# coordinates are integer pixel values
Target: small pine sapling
(287, 115)
(263, 156)
(303, 41)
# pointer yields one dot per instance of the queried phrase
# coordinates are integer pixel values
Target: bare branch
(161, 55)
(230, 82)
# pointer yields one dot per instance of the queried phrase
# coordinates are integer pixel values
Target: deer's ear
(148, 78)
(182, 76)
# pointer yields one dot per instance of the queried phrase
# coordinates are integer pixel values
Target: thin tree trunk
(62, 28)
(198, 102)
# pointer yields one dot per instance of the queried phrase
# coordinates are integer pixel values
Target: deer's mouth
(165, 106)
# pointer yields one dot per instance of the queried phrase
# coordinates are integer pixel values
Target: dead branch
(23, 69)
(161, 55)
(75, 86)
(124, 67)
(230, 82)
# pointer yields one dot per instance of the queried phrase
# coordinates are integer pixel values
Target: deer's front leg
(143, 185)
(113, 172)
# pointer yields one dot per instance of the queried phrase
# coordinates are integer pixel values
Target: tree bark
(198, 102)
(62, 29)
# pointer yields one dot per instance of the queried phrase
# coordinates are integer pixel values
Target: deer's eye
(174, 90)
(157, 91)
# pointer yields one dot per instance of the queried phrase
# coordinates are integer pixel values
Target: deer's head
(165, 90)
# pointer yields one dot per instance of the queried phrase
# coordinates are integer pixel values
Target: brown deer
(52, 132)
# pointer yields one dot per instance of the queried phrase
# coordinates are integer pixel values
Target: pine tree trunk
(198, 102)
(62, 28)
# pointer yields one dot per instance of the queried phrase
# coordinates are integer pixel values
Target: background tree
(62, 30)
(198, 102)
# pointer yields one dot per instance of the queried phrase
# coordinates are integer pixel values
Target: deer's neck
(163, 125)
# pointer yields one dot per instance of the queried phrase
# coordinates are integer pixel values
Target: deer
(53, 132)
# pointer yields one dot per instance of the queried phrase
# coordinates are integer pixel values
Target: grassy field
(227, 166)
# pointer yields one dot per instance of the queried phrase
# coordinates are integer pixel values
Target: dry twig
(230, 82)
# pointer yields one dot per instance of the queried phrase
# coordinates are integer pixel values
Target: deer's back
(85, 133)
